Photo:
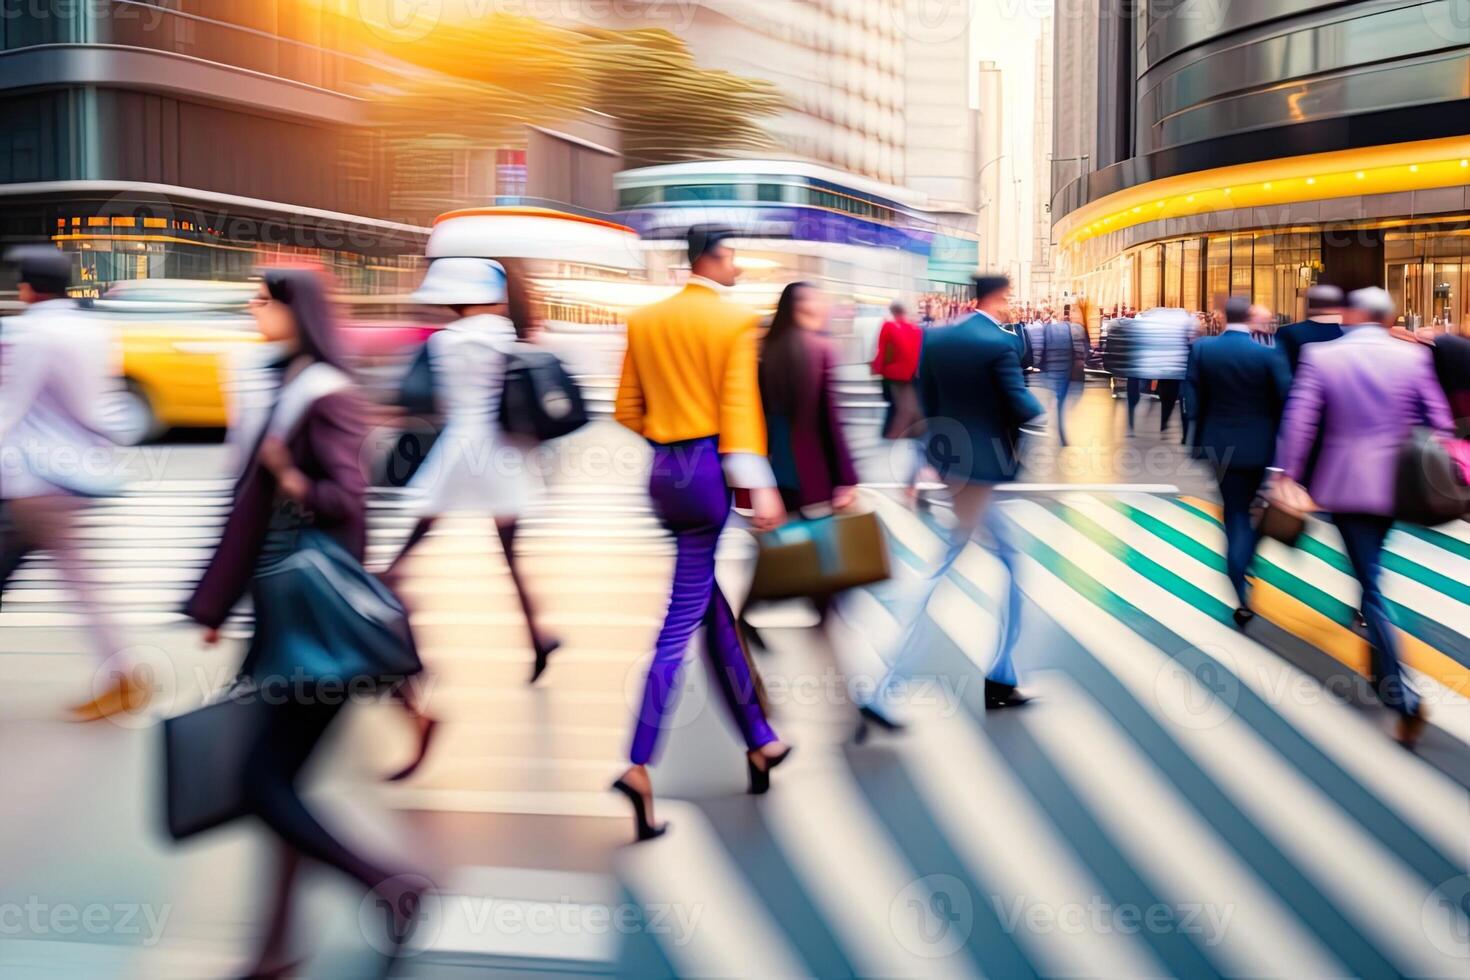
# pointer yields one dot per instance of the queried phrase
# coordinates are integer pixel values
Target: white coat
(474, 466)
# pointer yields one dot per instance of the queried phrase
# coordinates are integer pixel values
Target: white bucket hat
(462, 282)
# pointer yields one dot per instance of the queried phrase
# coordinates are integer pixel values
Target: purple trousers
(690, 495)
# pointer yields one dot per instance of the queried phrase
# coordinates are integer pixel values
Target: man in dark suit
(1239, 390)
(1323, 323)
(971, 387)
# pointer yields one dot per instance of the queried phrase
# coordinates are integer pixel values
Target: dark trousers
(1238, 486)
(1168, 392)
(1168, 398)
(275, 764)
(13, 550)
(1363, 536)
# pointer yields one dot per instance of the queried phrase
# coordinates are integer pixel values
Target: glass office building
(1256, 148)
(195, 139)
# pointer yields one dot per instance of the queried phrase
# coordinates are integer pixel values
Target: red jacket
(898, 350)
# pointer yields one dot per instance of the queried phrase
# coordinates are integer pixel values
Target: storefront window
(1189, 295)
(1173, 272)
(1217, 271)
(1240, 265)
(1148, 277)
(1263, 280)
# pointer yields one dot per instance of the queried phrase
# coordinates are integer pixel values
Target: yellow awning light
(1392, 168)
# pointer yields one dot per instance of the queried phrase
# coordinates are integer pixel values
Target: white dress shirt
(58, 368)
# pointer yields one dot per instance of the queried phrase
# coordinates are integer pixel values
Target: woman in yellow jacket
(689, 387)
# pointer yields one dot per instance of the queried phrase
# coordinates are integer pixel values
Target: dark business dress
(808, 449)
(1239, 390)
(972, 389)
(326, 446)
(1291, 338)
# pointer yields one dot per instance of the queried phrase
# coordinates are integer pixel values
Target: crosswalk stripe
(1131, 798)
(1307, 593)
(961, 774)
(1340, 737)
(848, 865)
(1241, 771)
(689, 869)
(1307, 804)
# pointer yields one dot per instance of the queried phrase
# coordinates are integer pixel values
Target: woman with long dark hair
(295, 539)
(808, 449)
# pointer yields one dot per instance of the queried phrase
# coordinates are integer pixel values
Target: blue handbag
(319, 616)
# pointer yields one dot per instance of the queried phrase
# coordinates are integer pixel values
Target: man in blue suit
(1239, 390)
(1323, 323)
(973, 392)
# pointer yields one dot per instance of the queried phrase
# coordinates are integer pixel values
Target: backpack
(540, 400)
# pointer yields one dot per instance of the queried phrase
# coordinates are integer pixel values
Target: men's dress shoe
(999, 695)
(1243, 615)
(126, 695)
(1411, 728)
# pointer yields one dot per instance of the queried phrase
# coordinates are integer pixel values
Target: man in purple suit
(1365, 393)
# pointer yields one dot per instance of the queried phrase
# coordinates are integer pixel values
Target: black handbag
(416, 391)
(205, 754)
(540, 400)
(1428, 489)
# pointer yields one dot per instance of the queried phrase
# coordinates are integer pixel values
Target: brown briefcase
(821, 556)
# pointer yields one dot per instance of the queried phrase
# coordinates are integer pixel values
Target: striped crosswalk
(1182, 799)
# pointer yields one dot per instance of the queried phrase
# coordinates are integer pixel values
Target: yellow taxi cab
(178, 341)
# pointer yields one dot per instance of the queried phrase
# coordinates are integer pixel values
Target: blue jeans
(1363, 536)
(911, 614)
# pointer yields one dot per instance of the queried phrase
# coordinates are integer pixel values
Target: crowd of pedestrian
(1314, 421)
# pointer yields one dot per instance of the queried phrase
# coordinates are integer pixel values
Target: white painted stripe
(1168, 842)
(849, 867)
(1375, 889)
(1401, 588)
(688, 868)
(1009, 845)
(1431, 556)
(1212, 582)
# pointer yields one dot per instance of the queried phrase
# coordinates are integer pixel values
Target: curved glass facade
(1259, 146)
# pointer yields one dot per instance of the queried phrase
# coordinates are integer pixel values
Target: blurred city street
(453, 452)
(1181, 799)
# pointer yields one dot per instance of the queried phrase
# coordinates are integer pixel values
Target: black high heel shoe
(760, 776)
(543, 656)
(646, 829)
(869, 718)
(426, 735)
